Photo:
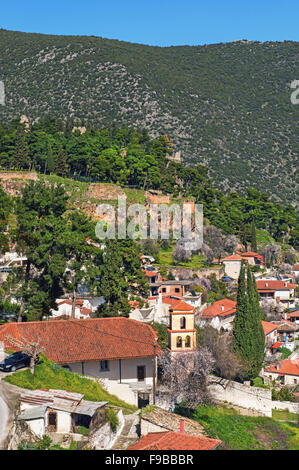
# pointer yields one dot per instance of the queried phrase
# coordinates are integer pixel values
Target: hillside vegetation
(48, 375)
(226, 106)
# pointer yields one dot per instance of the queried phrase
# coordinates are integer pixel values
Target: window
(177, 289)
(179, 342)
(183, 323)
(140, 373)
(163, 289)
(188, 342)
(104, 365)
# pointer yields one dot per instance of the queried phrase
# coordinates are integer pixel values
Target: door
(52, 421)
(143, 399)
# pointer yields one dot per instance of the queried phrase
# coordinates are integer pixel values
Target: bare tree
(180, 254)
(271, 254)
(31, 347)
(231, 243)
(186, 374)
(227, 365)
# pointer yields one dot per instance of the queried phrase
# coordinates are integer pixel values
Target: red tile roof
(177, 305)
(216, 309)
(296, 267)
(286, 367)
(251, 254)
(151, 273)
(268, 327)
(232, 258)
(273, 285)
(90, 339)
(175, 441)
(293, 314)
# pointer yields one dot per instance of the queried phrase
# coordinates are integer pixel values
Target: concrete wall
(232, 268)
(128, 370)
(37, 426)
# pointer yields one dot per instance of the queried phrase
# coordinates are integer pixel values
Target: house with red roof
(292, 316)
(170, 440)
(219, 315)
(295, 270)
(157, 308)
(279, 291)
(252, 258)
(64, 307)
(270, 330)
(232, 265)
(285, 372)
(117, 350)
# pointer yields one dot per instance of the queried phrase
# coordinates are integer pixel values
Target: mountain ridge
(224, 105)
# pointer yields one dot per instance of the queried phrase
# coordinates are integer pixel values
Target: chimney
(222, 308)
(182, 426)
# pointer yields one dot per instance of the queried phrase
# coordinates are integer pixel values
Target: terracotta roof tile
(229, 308)
(273, 285)
(268, 327)
(175, 441)
(90, 339)
(287, 367)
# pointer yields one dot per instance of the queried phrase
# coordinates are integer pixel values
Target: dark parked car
(9, 317)
(15, 361)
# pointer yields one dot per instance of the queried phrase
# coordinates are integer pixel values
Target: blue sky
(157, 22)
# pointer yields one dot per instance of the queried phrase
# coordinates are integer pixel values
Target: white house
(295, 270)
(56, 411)
(285, 372)
(118, 351)
(232, 265)
(218, 315)
(281, 292)
(270, 330)
(158, 309)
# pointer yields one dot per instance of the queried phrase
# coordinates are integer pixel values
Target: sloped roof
(171, 421)
(232, 258)
(268, 327)
(90, 339)
(175, 441)
(285, 367)
(229, 308)
(273, 285)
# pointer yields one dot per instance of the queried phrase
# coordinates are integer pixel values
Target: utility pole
(154, 372)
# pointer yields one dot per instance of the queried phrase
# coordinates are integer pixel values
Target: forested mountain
(226, 106)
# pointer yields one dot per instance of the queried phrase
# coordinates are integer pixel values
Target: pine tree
(253, 237)
(248, 334)
(50, 159)
(61, 165)
(21, 160)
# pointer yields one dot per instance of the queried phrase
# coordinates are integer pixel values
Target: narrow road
(4, 413)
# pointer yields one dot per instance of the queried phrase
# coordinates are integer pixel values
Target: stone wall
(252, 398)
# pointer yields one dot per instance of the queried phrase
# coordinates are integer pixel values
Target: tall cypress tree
(248, 334)
(21, 160)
